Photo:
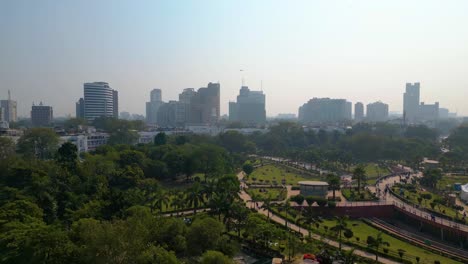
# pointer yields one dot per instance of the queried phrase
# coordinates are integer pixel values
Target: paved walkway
(411, 209)
(257, 206)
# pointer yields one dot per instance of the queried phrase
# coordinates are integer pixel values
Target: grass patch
(450, 180)
(274, 194)
(373, 171)
(274, 175)
(361, 231)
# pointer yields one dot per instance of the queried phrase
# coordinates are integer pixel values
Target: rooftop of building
(313, 183)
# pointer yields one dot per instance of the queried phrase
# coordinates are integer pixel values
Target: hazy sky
(359, 50)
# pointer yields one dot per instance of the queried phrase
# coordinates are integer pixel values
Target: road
(257, 205)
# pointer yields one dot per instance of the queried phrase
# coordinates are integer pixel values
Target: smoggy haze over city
(357, 50)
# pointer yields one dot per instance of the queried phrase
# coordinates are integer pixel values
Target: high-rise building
(115, 100)
(377, 112)
(359, 111)
(183, 107)
(233, 111)
(156, 95)
(249, 108)
(153, 106)
(99, 100)
(428, 112)
(9, 109)
(41, 115)
(1, 114)
(205, 106)
(166, 114)
(325, 110)
(411, 99)
(80, 108)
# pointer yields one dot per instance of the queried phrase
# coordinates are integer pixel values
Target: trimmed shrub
(321, 202)
(299, 199)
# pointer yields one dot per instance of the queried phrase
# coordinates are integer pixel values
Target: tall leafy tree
(67, 156)
(160, 139)
(203, 235)
(41, 143)
(7, 148)
(359, 174)
(195, 196)
(333, 183)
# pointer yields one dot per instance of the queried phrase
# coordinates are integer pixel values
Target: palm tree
(376, 243)
(359, 174)
(219, 203)
(267, 205)
(286, 208)
(341, 227)
(195, 196)
(254, 199)
(333, 183)
(209, 188)
(159, 200)
(308, 217)
(178, 201)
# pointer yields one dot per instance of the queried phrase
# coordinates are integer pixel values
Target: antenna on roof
(243, 81)
(9, 95)
(261, 85)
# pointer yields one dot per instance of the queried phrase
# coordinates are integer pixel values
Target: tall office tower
(377, 112)
(205, 106)
(249, 108)
(156, 95)
(115, 100)
(166, 114)
(153, 106)
(183, 107)
(98, 100)
(9, 109)
(325, 110)
(80, 108)
(359, 111)
(411, 100)
(41, 115)
(1, 114)
(349, 111)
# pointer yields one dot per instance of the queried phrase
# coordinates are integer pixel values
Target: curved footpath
(389, 181)
(247, 199)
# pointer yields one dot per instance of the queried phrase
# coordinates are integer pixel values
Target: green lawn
(450, 180)
(275, 175)
(361, 230)
(413, 197)
(274, 194)
(373, 171)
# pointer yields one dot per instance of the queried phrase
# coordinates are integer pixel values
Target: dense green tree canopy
(39, 143)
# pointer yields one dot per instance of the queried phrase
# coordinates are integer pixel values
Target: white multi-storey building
(99, 100)
(9, 112)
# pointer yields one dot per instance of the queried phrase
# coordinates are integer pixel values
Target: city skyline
(361, 51)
